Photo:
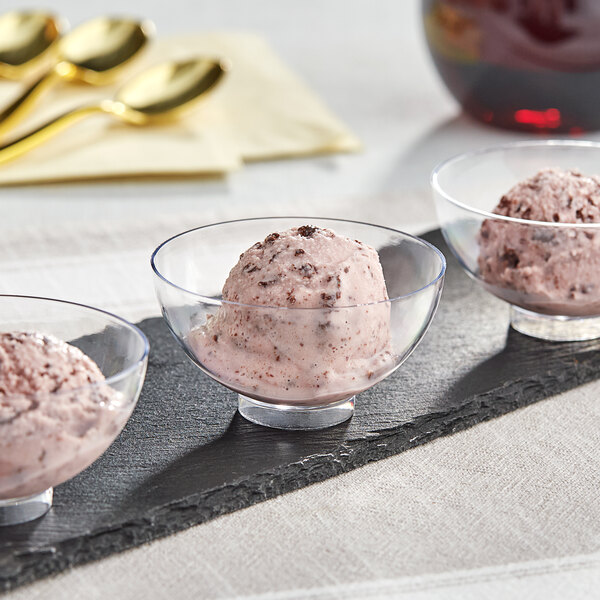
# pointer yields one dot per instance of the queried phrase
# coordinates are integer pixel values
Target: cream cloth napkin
(260, 111)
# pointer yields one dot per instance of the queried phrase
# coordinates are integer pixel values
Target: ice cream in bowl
(70, 376)
(523, 219)
(297, 315)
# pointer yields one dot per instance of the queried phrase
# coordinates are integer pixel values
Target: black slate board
(186, 456)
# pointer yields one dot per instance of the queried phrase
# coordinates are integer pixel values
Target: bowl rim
(108, 380)
(436, 186)
(219, 301)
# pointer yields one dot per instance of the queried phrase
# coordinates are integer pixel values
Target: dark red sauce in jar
(530, 65)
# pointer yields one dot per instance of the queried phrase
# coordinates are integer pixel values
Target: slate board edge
(195, 510)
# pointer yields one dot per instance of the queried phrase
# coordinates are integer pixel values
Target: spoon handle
(21, 106)
(49, 129)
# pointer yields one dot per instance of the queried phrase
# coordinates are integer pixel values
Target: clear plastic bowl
(191, 268)
(50, 437)
(549, 272)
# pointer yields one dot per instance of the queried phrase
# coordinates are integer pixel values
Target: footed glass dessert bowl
(70, 376)
(297, 315)
(523, 219)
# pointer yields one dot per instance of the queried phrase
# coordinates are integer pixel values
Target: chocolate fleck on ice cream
(553, 270)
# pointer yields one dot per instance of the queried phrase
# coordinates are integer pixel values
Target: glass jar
(530, 65)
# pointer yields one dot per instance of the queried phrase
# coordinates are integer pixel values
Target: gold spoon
(154, 95)
(92, 53)
(25, 39)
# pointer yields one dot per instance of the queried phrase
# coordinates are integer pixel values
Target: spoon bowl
(95, 51)
(26, 37)
(165, 90)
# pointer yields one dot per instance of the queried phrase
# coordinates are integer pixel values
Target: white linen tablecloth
(509, 508)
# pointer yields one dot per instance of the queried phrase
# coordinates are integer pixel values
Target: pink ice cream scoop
(56, 413)
(304, 320)
(546, 269)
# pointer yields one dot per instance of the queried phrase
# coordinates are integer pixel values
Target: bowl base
(22, 510)
(554, 328)
(280, 416)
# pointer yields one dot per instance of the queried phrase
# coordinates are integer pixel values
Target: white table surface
(509, 508)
